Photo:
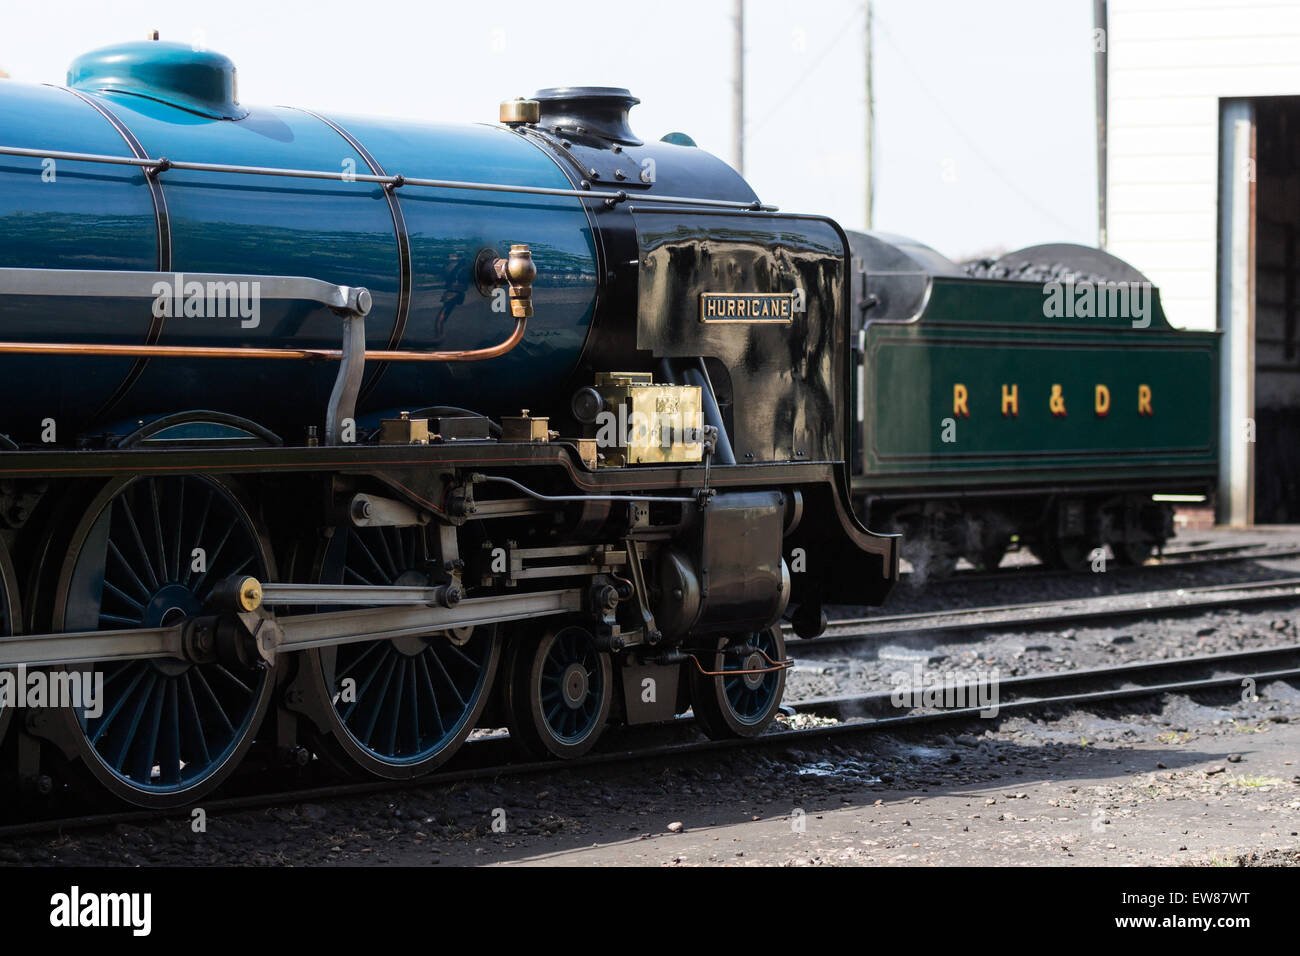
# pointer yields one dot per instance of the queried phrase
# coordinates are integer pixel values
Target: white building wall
(1171, 61)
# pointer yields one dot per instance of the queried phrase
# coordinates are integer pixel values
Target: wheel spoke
(225, 672)
(239, 568)
(142, 767)
(363, 687)
(359, 579)
(463, 656)
(399, 685)
(400, 540)
(200, 739)
(553, 713)
(171, 768)
(118, 619)
(122, 596)
(211, 697)
(111, 714)
(180, 527)
(375, 704)
(134, 528)
(383, 576)
(157, 527)
(212, 558)
(124, 743)
(198, 535)
(126, 565)
(427, 680)
(114, 670)
(447, 677)
(393, 571)
(370, 648)
(414, 709)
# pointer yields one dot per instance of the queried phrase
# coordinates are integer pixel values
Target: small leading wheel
(989, 557)
(397, 708)
(929, 558)
(558, 692)
(163, 732)
(1069, 554)
(741, 694)
(1131, 554)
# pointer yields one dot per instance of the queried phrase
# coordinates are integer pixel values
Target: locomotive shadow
(616, 809)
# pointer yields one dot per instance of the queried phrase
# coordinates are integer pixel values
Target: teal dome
(200, 81)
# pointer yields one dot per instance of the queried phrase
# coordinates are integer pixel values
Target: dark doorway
(1277, 307)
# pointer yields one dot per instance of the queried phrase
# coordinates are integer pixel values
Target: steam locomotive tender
(1050, 404)
(343, 436)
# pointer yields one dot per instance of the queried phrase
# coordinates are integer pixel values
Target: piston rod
(197, 638)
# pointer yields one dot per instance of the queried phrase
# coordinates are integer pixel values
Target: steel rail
(1023, 683)
(1180, 558)
(485, 755)
(985, 618)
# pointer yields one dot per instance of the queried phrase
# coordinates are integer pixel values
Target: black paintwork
(784, 377)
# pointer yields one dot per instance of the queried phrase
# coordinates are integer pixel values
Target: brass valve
(518, 271)
(520, 112)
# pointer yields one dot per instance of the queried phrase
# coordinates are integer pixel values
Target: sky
(984, 130)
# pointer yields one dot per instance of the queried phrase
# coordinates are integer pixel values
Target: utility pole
(870, 121)
(1100, 41)
(738, 87)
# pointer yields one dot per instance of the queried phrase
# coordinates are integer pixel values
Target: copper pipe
(468, 355)
(776, 666)
(203, 351)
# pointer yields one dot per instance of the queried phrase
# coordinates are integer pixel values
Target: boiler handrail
(153, 167)
(352, 303)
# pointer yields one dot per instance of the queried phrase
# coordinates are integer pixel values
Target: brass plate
(770, 308)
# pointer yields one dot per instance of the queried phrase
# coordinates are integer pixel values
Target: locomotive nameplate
(777, 308)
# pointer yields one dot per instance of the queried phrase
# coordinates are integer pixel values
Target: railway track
(1185, 557)
(1038, 614)
(488, 757)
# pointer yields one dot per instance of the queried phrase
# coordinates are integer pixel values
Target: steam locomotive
(335, 436)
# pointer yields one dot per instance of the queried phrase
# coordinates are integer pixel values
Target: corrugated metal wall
(1171, 61)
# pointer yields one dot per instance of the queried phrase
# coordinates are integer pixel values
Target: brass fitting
(250, 594)
(238, 594)
(518, 271)
(519, 112)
